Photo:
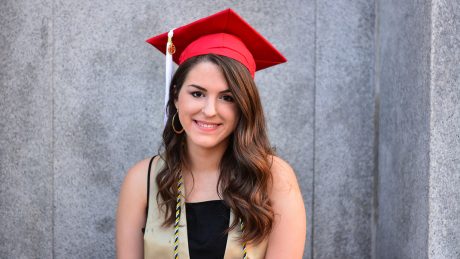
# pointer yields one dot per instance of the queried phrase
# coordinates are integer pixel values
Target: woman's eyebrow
(199, 87)
(204, 89)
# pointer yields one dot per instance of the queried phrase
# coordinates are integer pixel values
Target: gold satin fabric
(159, 241)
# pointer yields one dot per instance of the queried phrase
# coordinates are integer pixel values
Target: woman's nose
(209, 108)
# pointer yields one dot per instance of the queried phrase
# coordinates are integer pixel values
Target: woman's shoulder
(283, 176)
(281, 170)
(136, 177)
(140, 168)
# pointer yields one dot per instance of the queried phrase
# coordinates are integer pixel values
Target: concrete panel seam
(314, 131)
(430, 58)
(52, 126)
(374, 210)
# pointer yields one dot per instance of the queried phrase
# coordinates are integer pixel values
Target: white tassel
(170, 49)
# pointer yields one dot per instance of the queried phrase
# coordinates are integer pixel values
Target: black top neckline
(204, 202)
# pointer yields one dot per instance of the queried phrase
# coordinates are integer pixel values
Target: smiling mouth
(206, 125)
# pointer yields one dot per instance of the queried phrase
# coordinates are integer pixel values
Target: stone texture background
(404, 131)
(444, 189)
(419, 129)
(366, 111)
(344, 129)
(26, 130)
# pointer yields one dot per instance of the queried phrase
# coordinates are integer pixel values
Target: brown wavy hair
(245, 174)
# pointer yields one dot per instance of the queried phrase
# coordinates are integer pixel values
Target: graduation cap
(224, 33)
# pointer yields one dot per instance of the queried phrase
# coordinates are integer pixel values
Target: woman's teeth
(206, 125)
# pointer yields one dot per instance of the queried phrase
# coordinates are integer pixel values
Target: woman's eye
(228, 98)
(197, 94)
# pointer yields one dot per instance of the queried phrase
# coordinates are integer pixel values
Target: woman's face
(207, 109)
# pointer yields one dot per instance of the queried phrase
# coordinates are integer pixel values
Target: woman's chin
(205, 143)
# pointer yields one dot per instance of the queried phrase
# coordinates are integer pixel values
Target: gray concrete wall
(444, 191)
(404, 76)
(26, 129)
(344, 129)
(107, 116)
(419, 143)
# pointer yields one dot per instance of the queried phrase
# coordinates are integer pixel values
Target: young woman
(216, 190)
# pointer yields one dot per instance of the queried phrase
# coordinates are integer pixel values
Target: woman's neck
(205, 160)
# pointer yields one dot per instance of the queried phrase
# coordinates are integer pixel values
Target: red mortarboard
(224, 33)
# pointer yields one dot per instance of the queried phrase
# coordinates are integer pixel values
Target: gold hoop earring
(172, 124)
